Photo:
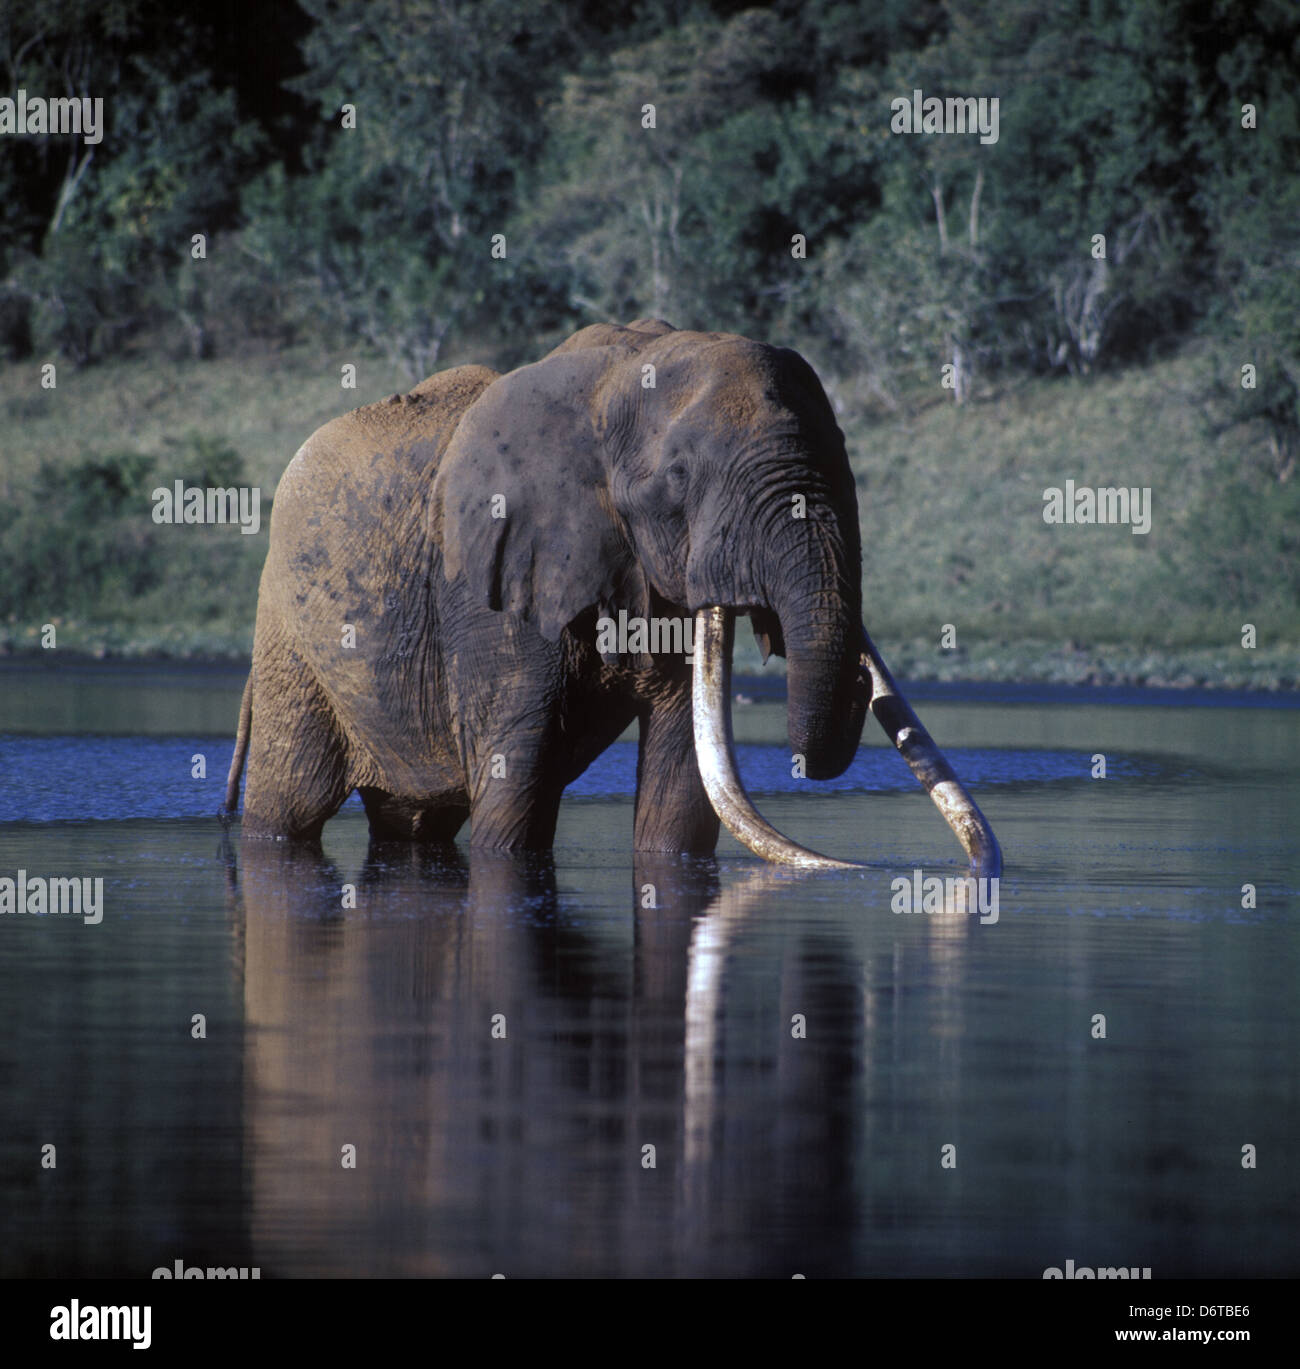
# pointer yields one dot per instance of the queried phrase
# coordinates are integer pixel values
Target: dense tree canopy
(419, 173)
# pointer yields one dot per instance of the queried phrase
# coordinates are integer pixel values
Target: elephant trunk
(825, 700)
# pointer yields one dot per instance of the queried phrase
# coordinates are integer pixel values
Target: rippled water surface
(502, 1042)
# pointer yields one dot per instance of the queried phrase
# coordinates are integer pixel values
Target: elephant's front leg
(673, 812)
(515, 788)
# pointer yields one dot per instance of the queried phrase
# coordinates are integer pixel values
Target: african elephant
(442, 565)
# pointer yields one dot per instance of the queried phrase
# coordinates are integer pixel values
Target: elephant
(443, 566)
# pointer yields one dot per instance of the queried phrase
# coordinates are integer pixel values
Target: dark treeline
(528, 119)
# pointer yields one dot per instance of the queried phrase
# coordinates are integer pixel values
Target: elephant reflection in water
(500, 1062)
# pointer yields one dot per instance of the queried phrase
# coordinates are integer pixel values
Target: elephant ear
(522, 505)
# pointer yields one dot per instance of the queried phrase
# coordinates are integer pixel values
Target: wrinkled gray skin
(475, 635)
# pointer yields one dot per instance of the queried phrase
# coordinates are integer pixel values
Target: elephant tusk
(895, 715)
(715, 751)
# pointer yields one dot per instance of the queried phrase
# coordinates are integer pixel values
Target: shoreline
(1168, 677)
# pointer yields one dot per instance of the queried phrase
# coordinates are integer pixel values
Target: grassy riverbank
(964, 579)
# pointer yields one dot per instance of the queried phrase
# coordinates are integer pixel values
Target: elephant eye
(678, 474)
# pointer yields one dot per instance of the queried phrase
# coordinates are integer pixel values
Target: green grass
(953, 530)
(264, 404)
(951, 506)
(204, 600)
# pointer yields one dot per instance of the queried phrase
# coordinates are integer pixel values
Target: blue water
(95, 778)
(366, 1019)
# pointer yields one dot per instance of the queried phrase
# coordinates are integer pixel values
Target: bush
(15, 324)
(81, 542)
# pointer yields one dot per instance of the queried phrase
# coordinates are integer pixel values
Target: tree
(678, 174)
(430, 115)
(104, 228)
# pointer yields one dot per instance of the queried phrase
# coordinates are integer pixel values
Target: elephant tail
(241, 748)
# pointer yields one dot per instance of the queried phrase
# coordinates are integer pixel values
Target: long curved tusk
(895, 715)
(715, 752)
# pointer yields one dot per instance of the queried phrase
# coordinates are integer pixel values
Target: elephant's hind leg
(393, 818)
(297, 758)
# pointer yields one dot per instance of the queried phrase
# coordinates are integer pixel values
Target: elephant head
(655, 470)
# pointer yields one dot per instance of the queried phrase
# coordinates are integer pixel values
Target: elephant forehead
(742, 382)
(631, 337)
(732, 406)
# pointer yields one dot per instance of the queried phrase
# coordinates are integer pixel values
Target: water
(796, 1053)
